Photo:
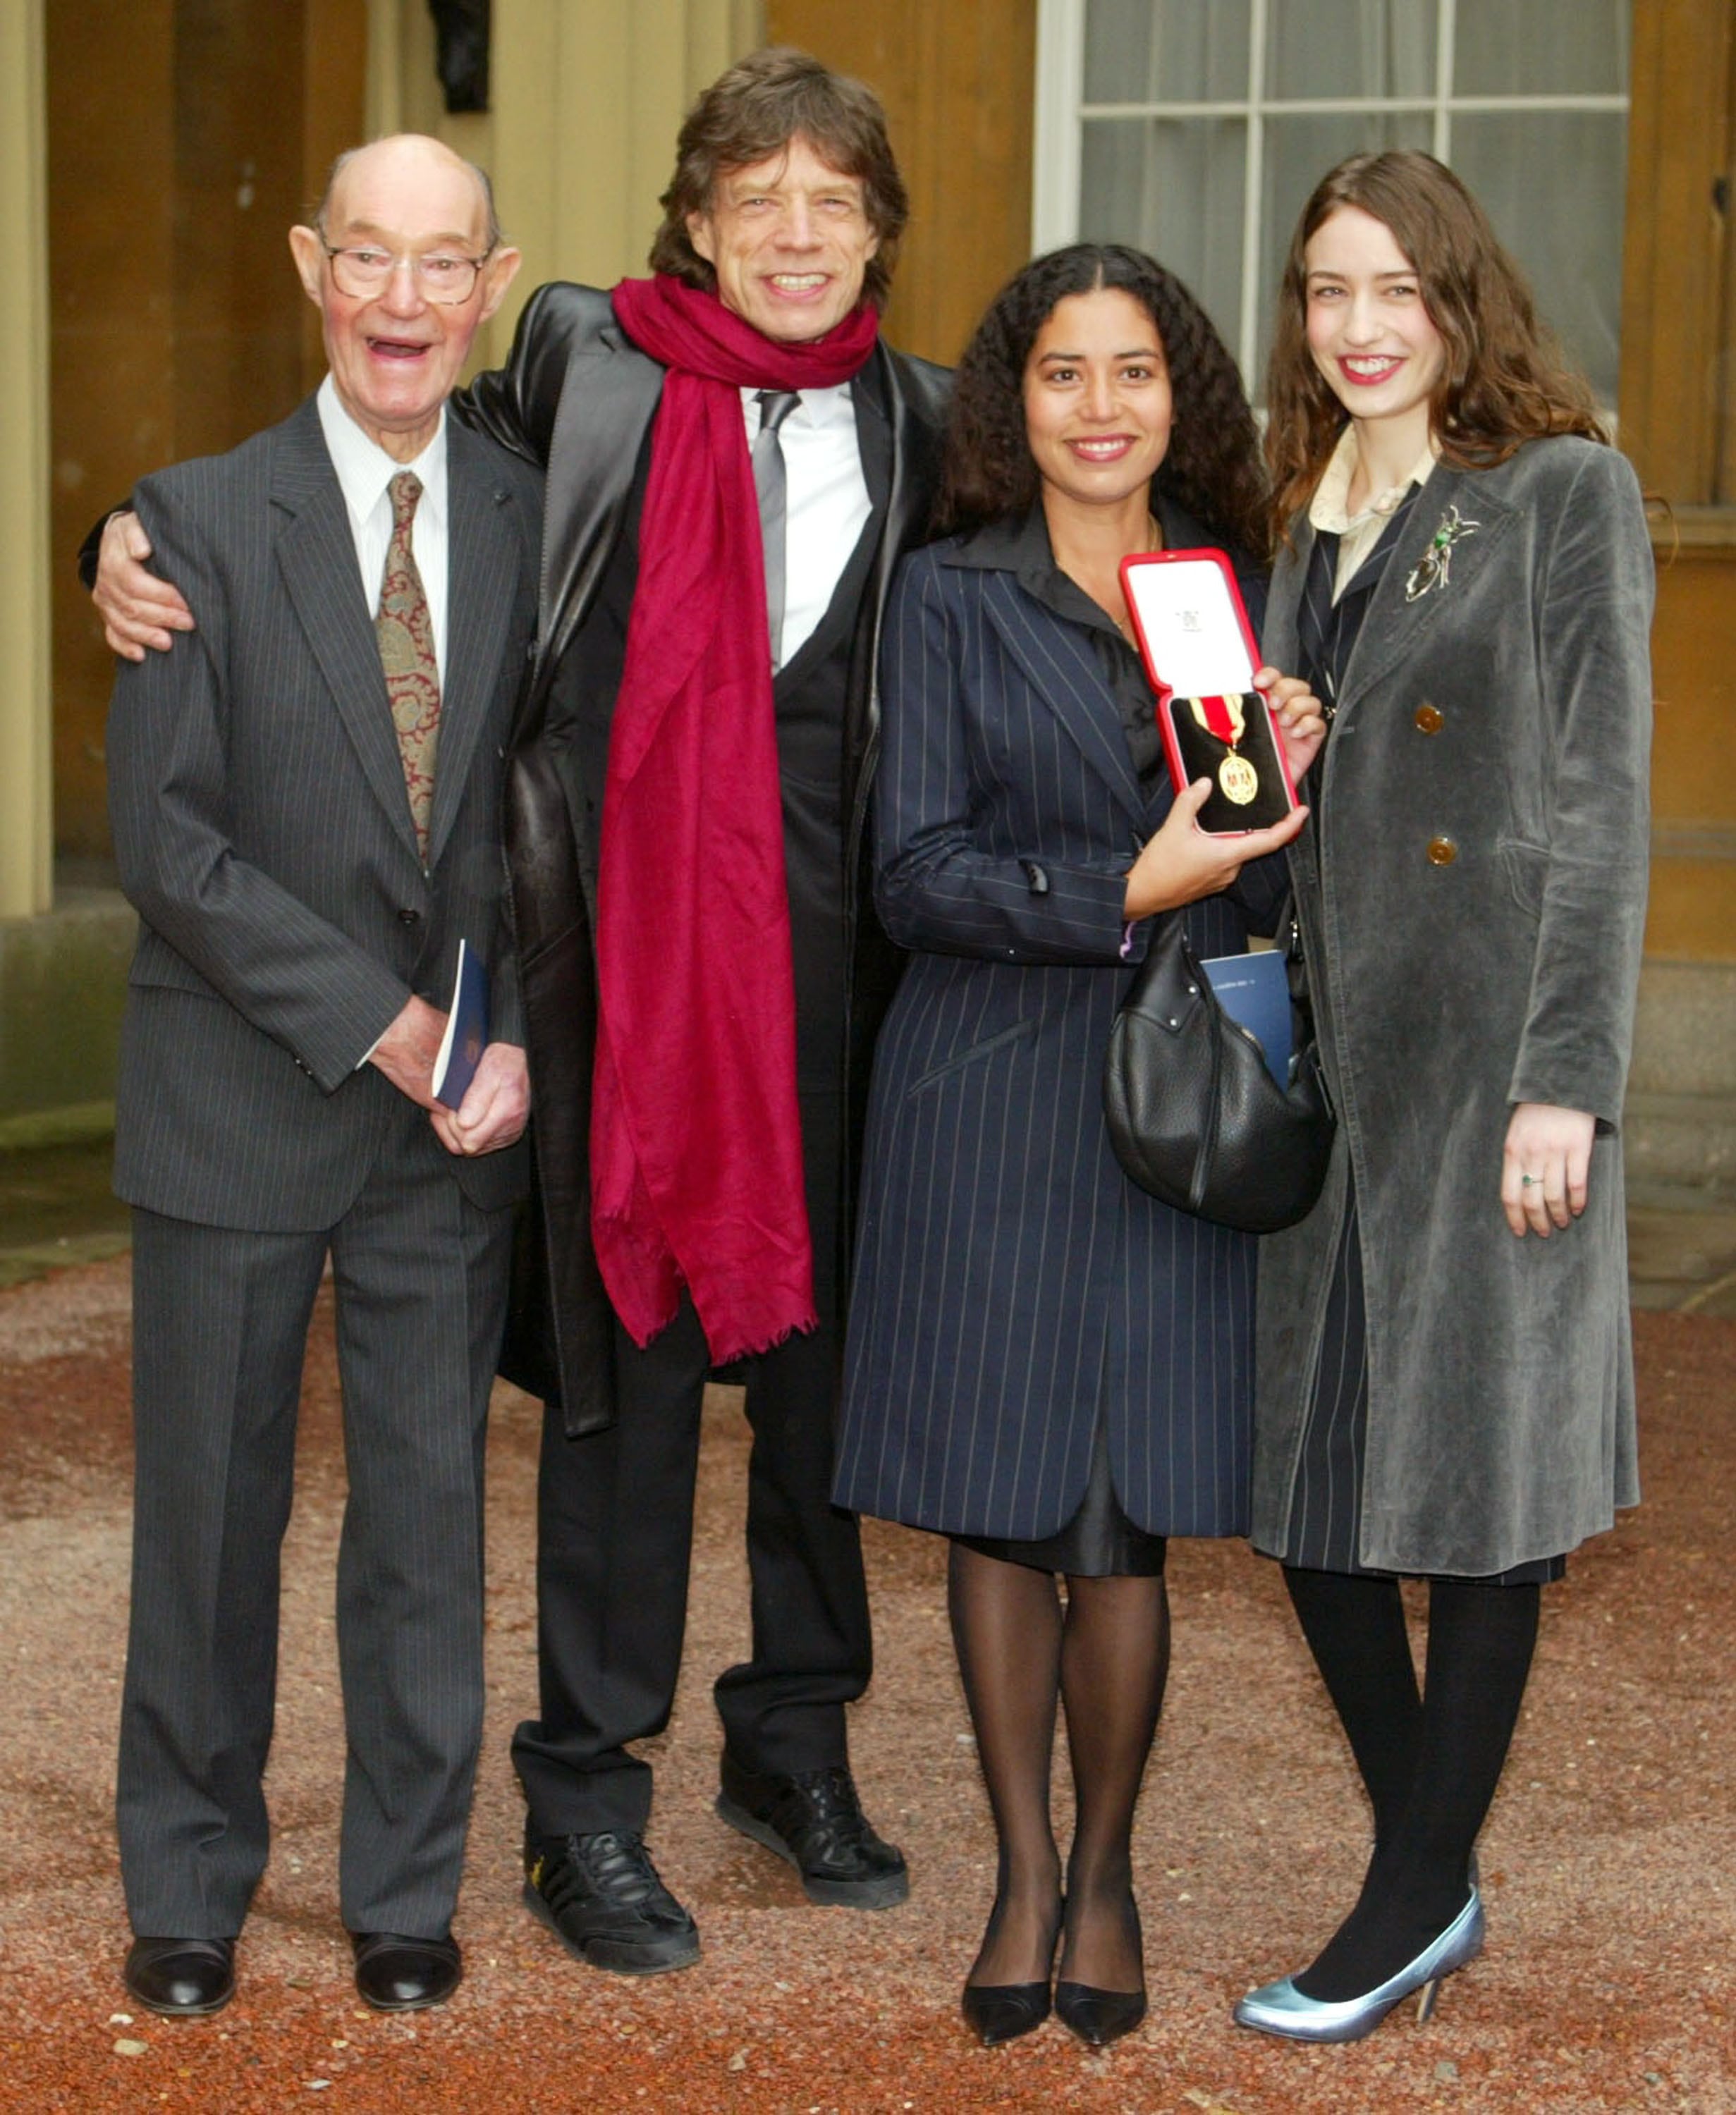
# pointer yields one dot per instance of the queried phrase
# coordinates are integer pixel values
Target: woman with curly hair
(1445, 1378)
(1045, 1363)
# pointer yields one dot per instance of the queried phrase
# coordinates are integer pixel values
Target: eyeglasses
(439, 276)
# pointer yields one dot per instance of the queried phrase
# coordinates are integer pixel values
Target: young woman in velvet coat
(1045, 1363)
(1444, 1374)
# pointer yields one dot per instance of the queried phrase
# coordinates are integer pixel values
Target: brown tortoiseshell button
(1429, 719)
(1442, 851)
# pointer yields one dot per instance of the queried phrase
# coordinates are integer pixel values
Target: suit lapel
(872, 436)
(1397, 623)
(1063, 674)
(481, 555)
(316, 556)
(885, 467)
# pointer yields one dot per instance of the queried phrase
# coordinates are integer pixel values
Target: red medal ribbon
(1218, 720)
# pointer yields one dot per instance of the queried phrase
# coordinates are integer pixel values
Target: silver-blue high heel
(1280, 2008)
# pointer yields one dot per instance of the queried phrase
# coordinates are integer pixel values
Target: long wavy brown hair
(1505, 380)
(1213, 465)
(754, 111)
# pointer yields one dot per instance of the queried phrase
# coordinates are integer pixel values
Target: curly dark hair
(754, 110)
(1213, 465)
(1504, 381)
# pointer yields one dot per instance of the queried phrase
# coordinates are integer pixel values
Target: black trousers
(614, 1538)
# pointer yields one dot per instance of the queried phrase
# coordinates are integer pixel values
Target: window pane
(1541, 47)
(1339, 48)
(1554, 183)
(1298, 153)
(1165, 51)
(1176, 190)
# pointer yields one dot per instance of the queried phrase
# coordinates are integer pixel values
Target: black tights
(1106, 1655)
(1430, 1763)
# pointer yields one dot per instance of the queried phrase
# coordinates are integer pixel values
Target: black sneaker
(601, 1896)
(814, 1818)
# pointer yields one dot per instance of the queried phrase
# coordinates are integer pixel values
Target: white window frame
(1062, 115)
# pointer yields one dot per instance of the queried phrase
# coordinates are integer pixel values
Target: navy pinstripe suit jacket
(264, 833)
(1012, 1289)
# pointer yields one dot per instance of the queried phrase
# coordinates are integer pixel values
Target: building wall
(958, 81)
(184, 137)
(1679, 424)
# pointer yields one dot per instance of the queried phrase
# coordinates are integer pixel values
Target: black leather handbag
(1194, 1113)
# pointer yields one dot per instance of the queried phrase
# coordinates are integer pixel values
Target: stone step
(1684, 1037)
(1679, 1125)
(62, 982)
(1684, 1143)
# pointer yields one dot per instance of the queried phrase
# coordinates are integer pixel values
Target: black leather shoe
(1099, 2017)
(600, 1895)
(1001, 2011)
(394, 1974)
(815, 1820)
(183, 1979)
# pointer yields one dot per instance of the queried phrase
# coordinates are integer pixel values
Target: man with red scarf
(701, 972)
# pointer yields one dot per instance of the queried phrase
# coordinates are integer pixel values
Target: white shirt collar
(364, 468)
(834, 406)
(1328, 510)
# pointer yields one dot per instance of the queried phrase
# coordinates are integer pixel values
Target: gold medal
(1238, 778)
(1222, 718)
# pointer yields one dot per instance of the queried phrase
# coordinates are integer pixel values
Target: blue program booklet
(466, 1035)
(1254, 990)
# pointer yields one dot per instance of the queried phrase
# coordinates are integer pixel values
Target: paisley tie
(406, 653)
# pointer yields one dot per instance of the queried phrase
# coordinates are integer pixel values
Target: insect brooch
(1432, 569)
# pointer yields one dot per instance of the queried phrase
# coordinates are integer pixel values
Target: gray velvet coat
(1472, 894)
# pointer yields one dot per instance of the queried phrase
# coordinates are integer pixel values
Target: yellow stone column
(26, 824)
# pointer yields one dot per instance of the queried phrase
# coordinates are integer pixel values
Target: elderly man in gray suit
(305, 795)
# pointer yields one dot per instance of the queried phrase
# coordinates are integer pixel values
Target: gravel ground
(1607, 1983)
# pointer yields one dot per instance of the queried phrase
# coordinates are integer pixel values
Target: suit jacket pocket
(1020, 1031)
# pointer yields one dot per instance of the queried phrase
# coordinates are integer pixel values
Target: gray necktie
(775, 406)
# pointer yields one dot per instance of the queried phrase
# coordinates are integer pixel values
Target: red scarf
(695, 1142)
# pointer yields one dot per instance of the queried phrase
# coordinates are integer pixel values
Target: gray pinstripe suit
(264, 833)
(1012, 1286)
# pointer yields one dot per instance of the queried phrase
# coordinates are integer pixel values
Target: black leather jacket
(576, 395)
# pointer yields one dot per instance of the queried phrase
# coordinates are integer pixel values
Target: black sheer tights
(1430, 1764)
(1105, 1652)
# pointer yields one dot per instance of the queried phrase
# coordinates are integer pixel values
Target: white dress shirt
(364, 474)
(826, 503)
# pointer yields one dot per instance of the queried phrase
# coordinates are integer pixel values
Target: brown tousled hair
(1505, 380)
(754, 111)
(1212, 467)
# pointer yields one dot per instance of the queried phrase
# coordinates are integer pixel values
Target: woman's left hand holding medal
(1301, 726)
(1182, 863)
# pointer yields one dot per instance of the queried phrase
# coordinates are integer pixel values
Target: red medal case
(1199, 652)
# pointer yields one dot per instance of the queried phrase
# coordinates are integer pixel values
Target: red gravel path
(1608, 1984)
